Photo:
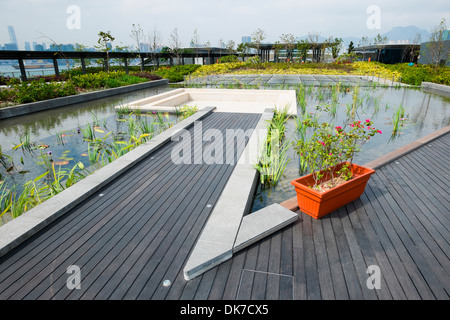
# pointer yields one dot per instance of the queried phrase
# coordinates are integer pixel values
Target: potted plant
(334, 179)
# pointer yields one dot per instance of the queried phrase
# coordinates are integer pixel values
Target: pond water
(58, 134)
(59, 131)
(424, 113)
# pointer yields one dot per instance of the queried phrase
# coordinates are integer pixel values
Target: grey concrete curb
(261, 223)
(31, 107)
(394, 155)
(436, 88)
(21, 228)
(228, 228)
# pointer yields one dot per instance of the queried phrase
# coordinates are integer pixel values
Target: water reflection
(424, 114)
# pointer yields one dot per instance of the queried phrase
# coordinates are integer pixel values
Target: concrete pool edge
(21, 228)
(229, 227)
(291, 203)
(32, 107)
(440, 89)
(225, 100)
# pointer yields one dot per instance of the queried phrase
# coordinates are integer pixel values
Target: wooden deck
(400, 224)
(140, 233)
(128, 235)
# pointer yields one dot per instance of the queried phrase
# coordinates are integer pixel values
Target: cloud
(214, 20)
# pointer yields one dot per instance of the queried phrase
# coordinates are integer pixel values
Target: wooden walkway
(400, 224)
(131, 239)
(131, 235)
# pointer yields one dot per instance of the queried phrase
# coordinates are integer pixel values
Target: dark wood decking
(131, 235)
(131, 239)
(400, 224)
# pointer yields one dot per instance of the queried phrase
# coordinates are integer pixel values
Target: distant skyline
(79, 21)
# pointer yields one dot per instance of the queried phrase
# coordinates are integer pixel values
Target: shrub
(369, 68)
(227, 59)
(146, 75)
(6, 95)
(176, 73)
(38, 90)
(417, 74)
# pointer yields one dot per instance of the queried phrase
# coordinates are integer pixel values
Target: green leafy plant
(328, 147)
(273, 159)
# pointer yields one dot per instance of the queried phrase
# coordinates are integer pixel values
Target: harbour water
(8, 70)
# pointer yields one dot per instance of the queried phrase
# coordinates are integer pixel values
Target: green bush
(45, 88)
(6, 95)
(415, 75)
(37, 90)
(176, 73)
(227, 59)
(106, 80)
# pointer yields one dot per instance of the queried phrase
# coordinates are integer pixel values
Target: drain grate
(259, 285)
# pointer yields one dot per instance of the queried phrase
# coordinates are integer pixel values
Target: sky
(79, 21)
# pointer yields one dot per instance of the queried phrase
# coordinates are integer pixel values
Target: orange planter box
(318, 204)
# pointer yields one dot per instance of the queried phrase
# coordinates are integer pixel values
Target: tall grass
(397, 120)
(101, 151)
(37, 190)
(301, 98)
(273, 158)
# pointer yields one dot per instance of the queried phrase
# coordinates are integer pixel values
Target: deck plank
(133, 237)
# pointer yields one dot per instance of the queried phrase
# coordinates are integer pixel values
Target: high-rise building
(12, 38)
(27, 46)
(39, 47)
(446, 35)
(246, 39)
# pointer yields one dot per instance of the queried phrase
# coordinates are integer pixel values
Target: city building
(12, 38)
(246, 39)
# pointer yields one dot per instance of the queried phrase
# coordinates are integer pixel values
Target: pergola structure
(266, 49)
(389, 53)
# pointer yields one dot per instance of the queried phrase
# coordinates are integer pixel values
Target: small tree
(242, 49)
(137, 34)
(288, 42)
(195, 41)
(303, 46)
(176, 44)
(380, 40)
(336, 47)
(155, 43)
(362, 43)
(104, 45)
(436, 46)
(313, 38)
(230, 46)
(351, 47)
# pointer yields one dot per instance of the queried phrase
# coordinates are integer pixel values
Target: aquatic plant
(301, 98)
(88, 132)
(397, 120)
(37, 190)
(272, 159)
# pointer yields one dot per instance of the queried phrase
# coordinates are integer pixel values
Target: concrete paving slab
(217, 239)
(262, 223)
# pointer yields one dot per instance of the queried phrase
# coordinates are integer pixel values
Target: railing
(144, 57)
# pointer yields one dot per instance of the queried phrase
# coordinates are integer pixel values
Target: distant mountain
(396, 35)
(407, 33)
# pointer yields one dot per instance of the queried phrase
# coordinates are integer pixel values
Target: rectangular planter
(318, 204)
